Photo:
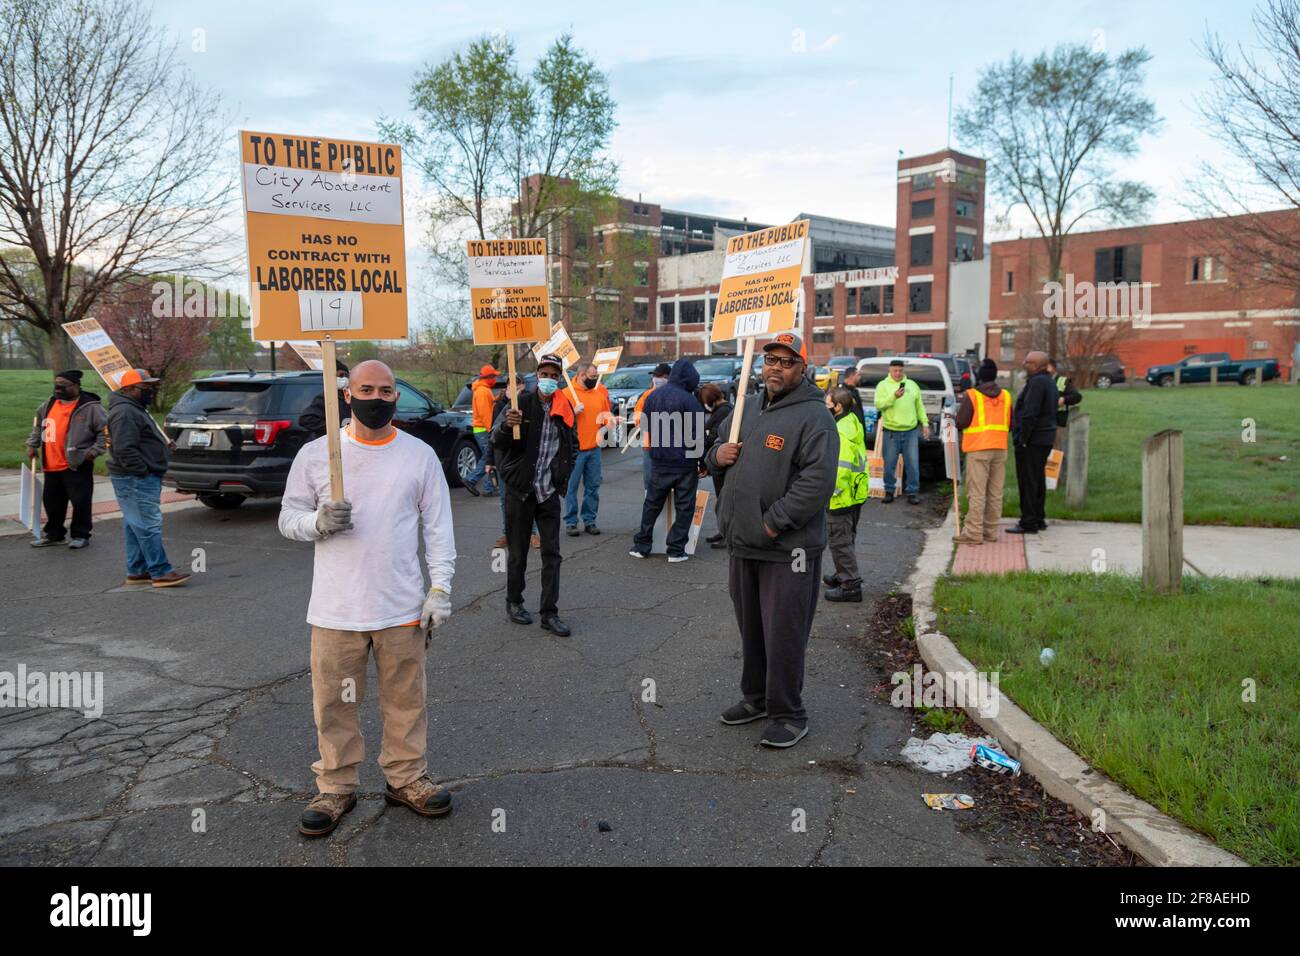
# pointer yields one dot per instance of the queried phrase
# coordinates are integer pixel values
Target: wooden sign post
(762, 287)
(1162, 512)
(330, 383)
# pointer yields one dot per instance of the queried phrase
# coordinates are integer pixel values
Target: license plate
(200, 439)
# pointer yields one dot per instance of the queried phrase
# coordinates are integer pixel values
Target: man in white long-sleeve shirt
(368, 593)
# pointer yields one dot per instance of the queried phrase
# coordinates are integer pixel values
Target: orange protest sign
(606, 360)
(89, 336)
(559, 344)
(326, 237)
(507, 290)
(1052, 470)
(760, 282)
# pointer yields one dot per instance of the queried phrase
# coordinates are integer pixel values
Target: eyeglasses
(772, 361)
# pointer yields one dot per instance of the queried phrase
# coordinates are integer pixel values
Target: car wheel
(1248, 378)
(464, 459)
(1166, 381)
(1103, 381)
(223, 501)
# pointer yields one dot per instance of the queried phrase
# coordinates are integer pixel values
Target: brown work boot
(138, 579)
(501, 542)
(535, 541)
(171, 579)
(423, 796)
(324, 812)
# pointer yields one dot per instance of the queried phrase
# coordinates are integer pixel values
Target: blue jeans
(908, 444)
(480, 468)
(140, 499)
(586, 468)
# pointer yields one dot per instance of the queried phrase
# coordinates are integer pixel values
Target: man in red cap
(483, 400)
(137, 459)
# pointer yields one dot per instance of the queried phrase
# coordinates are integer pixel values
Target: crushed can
(994, 760)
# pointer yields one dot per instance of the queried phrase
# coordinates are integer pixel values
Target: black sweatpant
(75, 486)
(521, 513)
(775, 602)
(1031, 460)
(682, 486)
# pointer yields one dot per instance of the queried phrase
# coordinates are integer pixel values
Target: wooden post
(739, 411)
(330, 383)
(572, 394)
(1076, 462)
(1259, 378)
(514, 392)
(1214, 375)
(1162, 512)
(1178, 375)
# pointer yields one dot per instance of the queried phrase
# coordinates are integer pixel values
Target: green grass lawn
(1149, 689)
(23, 390)
(1226, 480)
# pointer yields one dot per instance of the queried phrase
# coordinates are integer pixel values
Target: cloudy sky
(758, 109)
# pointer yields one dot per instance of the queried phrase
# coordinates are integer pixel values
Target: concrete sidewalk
(104, 503)
(1097, 546)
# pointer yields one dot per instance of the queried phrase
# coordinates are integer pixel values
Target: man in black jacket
(780, 475)
(137, 459)
(68, 434)
(313, 416)
(1033, 430)
(1068, 395)
(672, 420)
(535, 469)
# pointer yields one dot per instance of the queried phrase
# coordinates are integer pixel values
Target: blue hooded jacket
(677, 440)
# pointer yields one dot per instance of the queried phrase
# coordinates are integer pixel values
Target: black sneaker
(842, 594)
(889, 496)
(48, 542)
(591, 529)
(831, 580)
(782, 734)
(517, 614)
(742, 713)
(472, 488)
(913, 500)
(571, 530)
(1021, 529)
(552, 623)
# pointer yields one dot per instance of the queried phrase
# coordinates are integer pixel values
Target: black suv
(237, 433)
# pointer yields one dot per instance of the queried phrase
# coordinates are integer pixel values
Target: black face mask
(373, 412)
(590, 382)
(62, 393)
(147, 395)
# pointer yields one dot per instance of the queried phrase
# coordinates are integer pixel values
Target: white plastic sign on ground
(30, 489)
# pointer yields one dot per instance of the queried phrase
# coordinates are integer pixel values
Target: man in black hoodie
(672, 424)
(137, 460)
(779, 477)
(1033, 430)
(535, 470)
(68, 434)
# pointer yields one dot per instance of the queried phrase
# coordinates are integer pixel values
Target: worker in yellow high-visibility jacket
(985, 422)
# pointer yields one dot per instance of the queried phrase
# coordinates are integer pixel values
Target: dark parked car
(1107, 370)
(1196, 368)
(465, 397)
(625, 386)
(722, 370)
(237, 433)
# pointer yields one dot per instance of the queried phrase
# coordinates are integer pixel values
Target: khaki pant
(338, 686)
(986, 473)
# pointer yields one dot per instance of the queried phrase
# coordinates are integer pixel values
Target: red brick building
(1197, 299)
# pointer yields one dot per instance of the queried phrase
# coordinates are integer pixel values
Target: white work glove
(436, 610)
(333, 517)
(579, 408)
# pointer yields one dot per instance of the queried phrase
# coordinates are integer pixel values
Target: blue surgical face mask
(547, 386)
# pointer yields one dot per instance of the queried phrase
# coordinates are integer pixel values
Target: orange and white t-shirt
(55, 431)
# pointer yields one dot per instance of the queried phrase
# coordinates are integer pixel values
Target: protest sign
(309, 352)
(509, 300)
(105, 357)
(1052, 470)
(606, 360)
(30, 490)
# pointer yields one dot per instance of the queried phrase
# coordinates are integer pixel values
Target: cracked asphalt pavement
(202, 755)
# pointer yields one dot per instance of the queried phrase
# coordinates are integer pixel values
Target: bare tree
(1050, 129)
(109, 160)
(1253, 108)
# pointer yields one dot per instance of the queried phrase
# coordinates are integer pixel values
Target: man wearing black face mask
(137, 459)
(68, 434)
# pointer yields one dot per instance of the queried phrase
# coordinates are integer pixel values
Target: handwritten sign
(760, 287)
(508, 294)
(326, 237)
(106, 358)
(606, 360)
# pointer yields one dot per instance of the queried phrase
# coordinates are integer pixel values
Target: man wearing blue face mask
(535, 469)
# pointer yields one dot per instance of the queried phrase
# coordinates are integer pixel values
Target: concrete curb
(1158, 839)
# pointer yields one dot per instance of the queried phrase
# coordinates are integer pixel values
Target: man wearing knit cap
(68, 434)
(984, 418)
(481, 422)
